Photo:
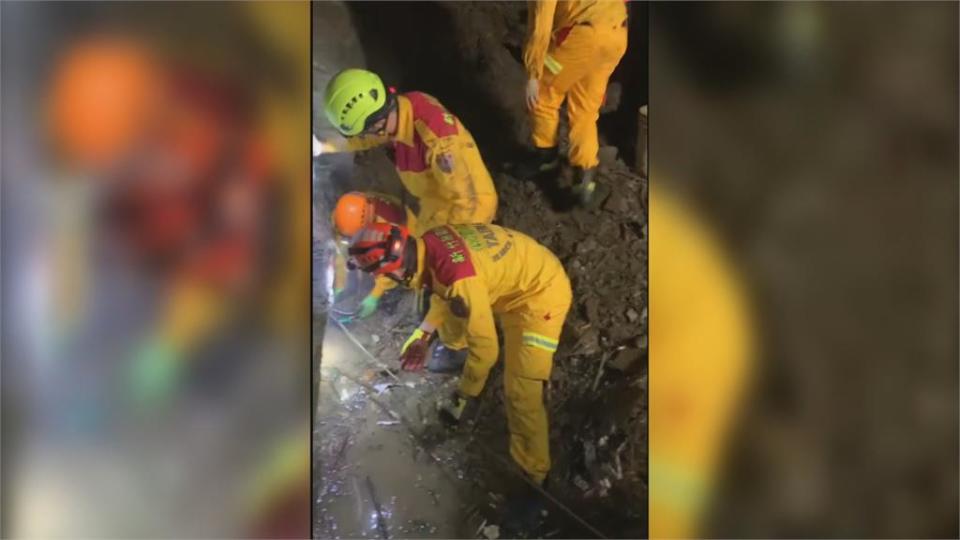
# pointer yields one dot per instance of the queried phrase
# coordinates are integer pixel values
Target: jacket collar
(405, 129)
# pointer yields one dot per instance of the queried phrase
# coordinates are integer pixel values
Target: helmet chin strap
(388, 108)
(410, 261)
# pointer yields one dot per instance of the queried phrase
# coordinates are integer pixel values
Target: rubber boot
(444, 360)
(589, 193)
(523, 512)
(539, 161)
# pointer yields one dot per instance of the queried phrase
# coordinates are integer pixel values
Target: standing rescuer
(478, 271)
(353, 212)
(572, 49)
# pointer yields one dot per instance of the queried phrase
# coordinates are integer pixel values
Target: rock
(491, 532)
(620, 333)
(589, 342)
(617, 204)
(580, 483)
(591, 309)
(607, 155)
(589, 454)
(624, 359)
(632, 314)
(586, 246)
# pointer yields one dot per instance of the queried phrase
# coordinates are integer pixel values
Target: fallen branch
(365, 351)
(596, 381)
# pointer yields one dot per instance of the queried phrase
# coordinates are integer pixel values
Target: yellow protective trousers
(577, 67)
(703, 342)
(529, 344)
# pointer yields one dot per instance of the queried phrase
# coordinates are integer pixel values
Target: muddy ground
(467, 55)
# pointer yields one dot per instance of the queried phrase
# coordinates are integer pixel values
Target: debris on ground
(491, 532)
(596, 395)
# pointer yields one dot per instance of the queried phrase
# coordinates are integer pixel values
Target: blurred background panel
(155, 270)
(813, 149)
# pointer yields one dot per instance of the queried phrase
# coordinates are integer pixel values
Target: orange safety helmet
(101, 93)
(353, 212)
(379, 248)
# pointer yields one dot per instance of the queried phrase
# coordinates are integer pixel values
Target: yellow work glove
(413, 354)
(451, 408)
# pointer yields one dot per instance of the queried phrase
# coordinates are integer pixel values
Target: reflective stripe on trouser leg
(539, 341)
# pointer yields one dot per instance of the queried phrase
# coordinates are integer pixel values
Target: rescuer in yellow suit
(354, 211)
(477, 272)
(434, 154)
(701, 353)
(572, 49)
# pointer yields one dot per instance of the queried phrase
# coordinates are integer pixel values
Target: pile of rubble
(597, 396)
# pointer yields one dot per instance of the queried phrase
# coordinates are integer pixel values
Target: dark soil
(467, 55)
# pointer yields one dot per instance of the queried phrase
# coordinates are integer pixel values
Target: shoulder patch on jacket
(429, 111)
(447, 256)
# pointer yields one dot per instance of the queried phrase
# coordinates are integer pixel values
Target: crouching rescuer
(477, 272)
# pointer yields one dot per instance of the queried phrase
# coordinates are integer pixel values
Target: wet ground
(377, 479)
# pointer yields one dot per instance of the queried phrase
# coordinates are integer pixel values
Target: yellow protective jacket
(386, 209)
(550, 20)
(438, 162)
(481, 270)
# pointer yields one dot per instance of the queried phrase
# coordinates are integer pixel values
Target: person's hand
(413, 354)
(533, 91)
(322, 146)
(368, 306)
(451, 408)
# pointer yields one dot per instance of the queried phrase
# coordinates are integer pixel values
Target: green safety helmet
(354, 99)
